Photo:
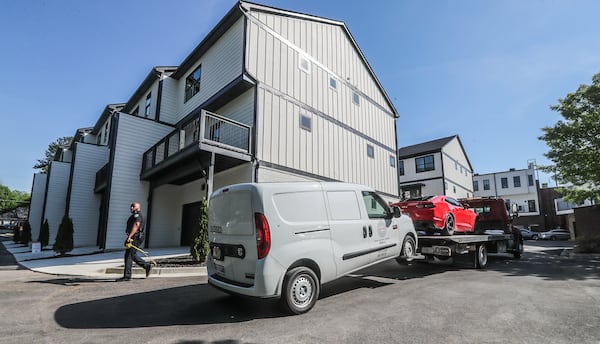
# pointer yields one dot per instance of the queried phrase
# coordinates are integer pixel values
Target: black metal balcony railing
(208, 128)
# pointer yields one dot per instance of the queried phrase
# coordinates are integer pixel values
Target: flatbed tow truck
(494, 234)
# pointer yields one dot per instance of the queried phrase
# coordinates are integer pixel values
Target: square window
(370, 151)
(305, 122)
(333, 83)
(303, 63)
(192, 83)
(355, 98)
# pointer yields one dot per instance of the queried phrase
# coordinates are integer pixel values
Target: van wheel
(408, 250)
(449, 225)
(301, 289)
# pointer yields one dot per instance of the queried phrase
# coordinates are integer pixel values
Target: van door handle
(370, 231)
(364, 232)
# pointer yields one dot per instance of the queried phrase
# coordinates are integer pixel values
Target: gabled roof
(236, 12)
(429, 147)
(108, 110)
(433, 146)
(154, 75)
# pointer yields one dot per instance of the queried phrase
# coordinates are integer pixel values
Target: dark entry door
(190, 222)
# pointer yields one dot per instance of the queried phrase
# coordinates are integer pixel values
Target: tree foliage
(200, 247)
(574, 143)
(10, 199)
(60, 143)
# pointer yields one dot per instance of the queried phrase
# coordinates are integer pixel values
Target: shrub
(17, 234)
(26, 233)
(44, 237)
(589, 244)
(200, 248)
(64, 237)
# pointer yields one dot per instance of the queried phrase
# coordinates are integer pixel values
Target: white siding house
(56, 196)
(36, 206)
(438, 167)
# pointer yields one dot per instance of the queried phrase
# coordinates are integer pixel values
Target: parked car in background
(555, 234)
(438, 214)
(528, 235)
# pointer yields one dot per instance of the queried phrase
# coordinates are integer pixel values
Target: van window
(343, 205)
(307, 206)
(232, 212)
(376, 207)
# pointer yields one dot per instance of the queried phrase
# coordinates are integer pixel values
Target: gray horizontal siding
(84, 203)
(134, 136)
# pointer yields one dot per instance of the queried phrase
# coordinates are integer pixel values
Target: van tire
(301, 289)
(409, 249)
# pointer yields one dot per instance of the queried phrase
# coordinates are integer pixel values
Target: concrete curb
(189, 271)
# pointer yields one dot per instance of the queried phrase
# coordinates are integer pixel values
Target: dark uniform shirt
(137, 217)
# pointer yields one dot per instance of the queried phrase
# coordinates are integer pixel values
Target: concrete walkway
(91, 262)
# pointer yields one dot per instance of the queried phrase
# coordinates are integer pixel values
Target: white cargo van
(286, 239)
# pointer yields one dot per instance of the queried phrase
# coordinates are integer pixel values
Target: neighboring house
(36, 207)
(55, 194)
(438, 167)
(518, 188)
(268, 95)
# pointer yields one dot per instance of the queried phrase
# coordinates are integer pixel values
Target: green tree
(10, 199)
(574, 143)
(200, 247)
(60, 143)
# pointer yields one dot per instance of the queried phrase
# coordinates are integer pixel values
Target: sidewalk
(91, 262)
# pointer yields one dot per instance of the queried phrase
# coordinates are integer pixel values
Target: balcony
(195, 140)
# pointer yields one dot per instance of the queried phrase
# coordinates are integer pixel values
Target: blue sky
(485, 70)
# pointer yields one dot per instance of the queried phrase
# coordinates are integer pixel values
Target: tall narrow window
(504, 182)
(333, 83)
(517, 181)
(392, 161)
(530, 179)
(305, 123)
(148, 102)
(486, 184)
(370, 151)
(531, 206)
(475, 185)
(355, 98)
(401, 167)
(192, 83)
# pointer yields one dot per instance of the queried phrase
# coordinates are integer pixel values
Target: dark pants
(131, 256)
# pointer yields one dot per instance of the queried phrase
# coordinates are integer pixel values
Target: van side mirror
(396, 212)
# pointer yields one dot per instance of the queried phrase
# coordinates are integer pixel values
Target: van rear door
(232, 234)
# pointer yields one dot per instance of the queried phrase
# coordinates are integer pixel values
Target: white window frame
(301, 65)
(302, 124)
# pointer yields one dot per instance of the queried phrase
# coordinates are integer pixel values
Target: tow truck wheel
(480, 260)
(449, 225)
(408, 250)
(300, 290)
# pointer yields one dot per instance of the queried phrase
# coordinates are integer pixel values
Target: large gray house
(268, 95)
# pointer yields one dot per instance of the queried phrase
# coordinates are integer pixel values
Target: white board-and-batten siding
(221, 64)
(84, 204)
(37, 204)
(56, 196)
(135, 135)
(336, 145)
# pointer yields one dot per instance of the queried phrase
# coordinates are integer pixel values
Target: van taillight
(263, 235)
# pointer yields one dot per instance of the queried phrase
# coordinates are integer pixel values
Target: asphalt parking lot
(546, 297)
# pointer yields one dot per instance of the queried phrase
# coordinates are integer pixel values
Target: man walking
(135, 236)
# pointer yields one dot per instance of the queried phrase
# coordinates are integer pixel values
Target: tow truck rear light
(425, 205)
(263, 235)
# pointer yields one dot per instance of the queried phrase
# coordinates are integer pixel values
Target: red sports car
(439, 213)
